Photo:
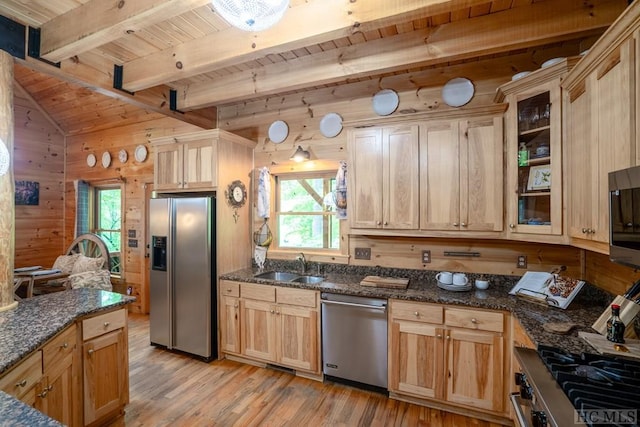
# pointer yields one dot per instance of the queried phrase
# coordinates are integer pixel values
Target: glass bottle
(615, 326)
(523, 155)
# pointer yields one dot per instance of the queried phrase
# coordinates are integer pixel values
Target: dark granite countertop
(31, 324)
(583, 311)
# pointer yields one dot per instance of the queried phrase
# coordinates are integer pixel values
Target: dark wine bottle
(615, 326)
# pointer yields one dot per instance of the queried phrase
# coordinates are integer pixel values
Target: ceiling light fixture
(300, 155)
(251, 15)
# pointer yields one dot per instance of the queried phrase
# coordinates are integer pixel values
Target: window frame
(326, 176)
(94, 210)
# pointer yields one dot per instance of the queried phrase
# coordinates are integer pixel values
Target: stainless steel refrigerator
(183, 275)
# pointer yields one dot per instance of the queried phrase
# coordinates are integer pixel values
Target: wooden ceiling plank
(300, 27)
(537, 24)
(98, 22)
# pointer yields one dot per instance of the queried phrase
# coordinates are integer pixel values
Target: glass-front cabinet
(533, 137)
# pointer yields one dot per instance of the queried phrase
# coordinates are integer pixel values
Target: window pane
(301, 195)
(109, 217)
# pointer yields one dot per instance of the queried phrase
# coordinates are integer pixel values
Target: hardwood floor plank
(171, 389)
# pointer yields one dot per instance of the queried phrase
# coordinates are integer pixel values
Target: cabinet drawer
(417, 312)
(258, 292)
(474, 319)
(301, 297)
(59, 347)
(229, 289)
(23, 377)
(103, 323)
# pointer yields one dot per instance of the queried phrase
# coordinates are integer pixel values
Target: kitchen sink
(284, 276)
(308, 279)
(281, 276)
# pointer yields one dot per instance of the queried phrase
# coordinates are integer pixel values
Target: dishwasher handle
(351, 304)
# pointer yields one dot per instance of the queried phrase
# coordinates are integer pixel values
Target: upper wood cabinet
(190, 162)
(461, 175)
(602, 136)
(383, 184)
(533, 127)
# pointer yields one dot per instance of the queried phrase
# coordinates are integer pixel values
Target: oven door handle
(515, 401)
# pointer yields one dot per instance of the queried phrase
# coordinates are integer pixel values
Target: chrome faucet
(303, 262)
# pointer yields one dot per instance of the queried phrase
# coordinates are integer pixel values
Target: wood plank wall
(418, 92)
(134, 175)
(38, 157)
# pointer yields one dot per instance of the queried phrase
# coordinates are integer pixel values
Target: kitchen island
(28, 330)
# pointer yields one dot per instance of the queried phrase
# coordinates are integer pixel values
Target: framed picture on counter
(539, 177)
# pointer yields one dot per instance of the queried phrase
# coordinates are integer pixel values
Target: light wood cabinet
(383, 171)
(453, 355)
(22, 380)
(461, 175)
(276, 325)
(105, 350)
(230, 316)
(186, 165)
(58, 394)
(534, 144)
(600, 140)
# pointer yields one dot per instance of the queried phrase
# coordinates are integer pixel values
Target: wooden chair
(90, 245)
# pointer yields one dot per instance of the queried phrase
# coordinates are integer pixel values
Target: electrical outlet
(522, 261)
(426, 257)
(363, 253)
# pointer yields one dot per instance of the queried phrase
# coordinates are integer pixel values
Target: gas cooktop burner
(597, 384)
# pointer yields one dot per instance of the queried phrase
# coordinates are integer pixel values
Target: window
(107, 222)
(305, 217)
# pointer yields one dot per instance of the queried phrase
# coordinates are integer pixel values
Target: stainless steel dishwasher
(354, 339)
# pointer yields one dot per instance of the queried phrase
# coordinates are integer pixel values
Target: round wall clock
(236, 194)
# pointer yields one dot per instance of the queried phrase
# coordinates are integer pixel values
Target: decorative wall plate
(551, 62)
(520, 75)
(123, 156)
(457, 92)
(141, 153)
(278, 131)
(91, 160)
(331, 125)
(385, 102)
(106, 159)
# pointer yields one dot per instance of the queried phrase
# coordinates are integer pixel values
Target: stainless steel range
(561, 389)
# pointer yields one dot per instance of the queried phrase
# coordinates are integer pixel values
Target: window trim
(93, 218)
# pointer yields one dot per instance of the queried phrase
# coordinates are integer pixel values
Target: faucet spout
(303, 262)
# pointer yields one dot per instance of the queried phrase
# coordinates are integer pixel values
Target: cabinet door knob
(439, 336)
(272, 311)
(463, 224)
(386, 223)
(43, 394)
(455, 224)
(229, 290)
(592, 231)
(21, 383)
(378, 223)
(512, 226)
(90, 351)
(448, 337)
(474, 320)
(416, 314)
(235, 305)
(584, 231)
(106, 324)
(65, 345)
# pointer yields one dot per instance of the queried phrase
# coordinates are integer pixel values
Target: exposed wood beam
(541, 23)
(99, 22)
(315, 22)
(86, 74)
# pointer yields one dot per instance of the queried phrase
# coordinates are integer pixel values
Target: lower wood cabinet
(271, 324)
(105, 366)
(453, 355)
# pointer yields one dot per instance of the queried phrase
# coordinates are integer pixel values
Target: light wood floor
(169, 389)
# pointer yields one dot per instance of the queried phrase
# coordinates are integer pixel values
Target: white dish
(106, 159)
(520, 75)
(457, 92)
(331, 125)
(141, 153)
(278, 131)
(385, 102)
(551, 62)
(455, 288)
(123, 156)
(91, 160)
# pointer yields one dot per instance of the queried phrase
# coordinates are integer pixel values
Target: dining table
(31, 276)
